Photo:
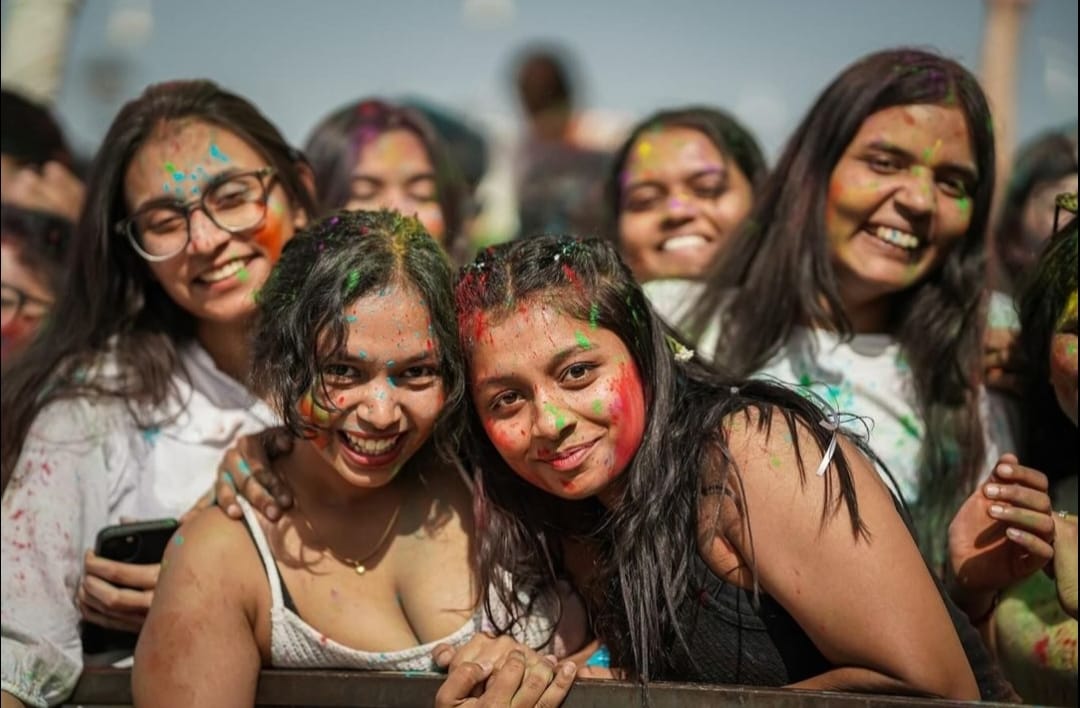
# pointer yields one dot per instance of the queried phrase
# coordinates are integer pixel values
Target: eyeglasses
(14, 302)
(235, 204)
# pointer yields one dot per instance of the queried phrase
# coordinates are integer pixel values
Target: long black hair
(1049, 440)
(111, 303)
(648, 539)
(778, 272)
(333, 263)
(335, 144)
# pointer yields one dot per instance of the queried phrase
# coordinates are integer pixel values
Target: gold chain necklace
(356, 564)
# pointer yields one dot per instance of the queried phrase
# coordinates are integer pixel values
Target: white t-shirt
(866, 378)
(84, 465)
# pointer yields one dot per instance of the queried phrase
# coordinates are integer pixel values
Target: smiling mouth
(903, 240)
(223, 272)
(685, 242)
(370, 447)
(570, 458)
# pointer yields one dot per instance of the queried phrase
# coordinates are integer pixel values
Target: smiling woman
(124, 404)
(860, 275)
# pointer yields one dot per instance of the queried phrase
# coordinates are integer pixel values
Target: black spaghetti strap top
(733, 640)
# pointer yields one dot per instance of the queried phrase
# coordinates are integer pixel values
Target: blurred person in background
(559, 180)
(373, 154)
(32, 251)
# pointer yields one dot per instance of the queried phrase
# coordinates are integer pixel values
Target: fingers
(1035, 522)
(505, 681)
(124, 623)
(129, 575)
(555, 693)
(443, 654)
(1018, 495)
(1031, 543)
(461, 682)
(205, 501)
(539, 673)
(1009, 469)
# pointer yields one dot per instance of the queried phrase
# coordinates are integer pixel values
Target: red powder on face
(270, 237)
(628, 413)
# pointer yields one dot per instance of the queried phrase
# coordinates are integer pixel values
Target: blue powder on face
(601, 658)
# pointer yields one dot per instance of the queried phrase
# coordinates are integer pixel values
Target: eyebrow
(968, 170)
(424, 356)
(722, 170)
(169, 201)
(557, 359)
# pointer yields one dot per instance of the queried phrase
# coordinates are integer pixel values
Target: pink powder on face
(627, 415)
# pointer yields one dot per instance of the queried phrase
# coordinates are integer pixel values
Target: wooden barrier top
(101, 688)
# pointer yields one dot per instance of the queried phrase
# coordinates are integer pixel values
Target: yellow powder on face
(1068, 313)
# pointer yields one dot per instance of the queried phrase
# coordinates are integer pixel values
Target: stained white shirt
(84, 465)
(866, 378)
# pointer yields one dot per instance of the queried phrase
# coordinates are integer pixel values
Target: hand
(54, 190)
(1003, 360)
(246, 470)
(520, 682)
(7, 700)
(1003, 532)
(116, 595)
(1065, 562)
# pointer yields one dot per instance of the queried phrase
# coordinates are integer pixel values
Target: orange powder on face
(270, 236)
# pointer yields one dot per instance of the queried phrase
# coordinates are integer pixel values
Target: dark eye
(954, 187)
(160, 221)
(417, 373)
(641, 200)
(336, 373)
(422, 189)
(577, 373)
(710, 187)
(504, 400)
(883, 164)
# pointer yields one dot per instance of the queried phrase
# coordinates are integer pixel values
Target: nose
(206, 236)
(551, 420)
(378, 407)
(917, 196)
(680, 207)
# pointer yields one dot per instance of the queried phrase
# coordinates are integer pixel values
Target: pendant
(360, 569)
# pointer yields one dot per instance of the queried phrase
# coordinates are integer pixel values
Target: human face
(19, 327)
(395, 172)
(1037, 220)
(379, 397)
(681, 201)
(899, 199)
(1063, 369)
(218, 273)
(566, 409)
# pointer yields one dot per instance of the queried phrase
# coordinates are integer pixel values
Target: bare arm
(836, 584)
(202, 620)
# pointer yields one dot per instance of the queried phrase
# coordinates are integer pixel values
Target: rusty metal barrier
(111, 688)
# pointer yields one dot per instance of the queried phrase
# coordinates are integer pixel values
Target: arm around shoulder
(199, 644)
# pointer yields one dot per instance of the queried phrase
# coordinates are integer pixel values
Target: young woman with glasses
(33, 245)
(124, 404)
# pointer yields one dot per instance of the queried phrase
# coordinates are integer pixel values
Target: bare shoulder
(213, 547)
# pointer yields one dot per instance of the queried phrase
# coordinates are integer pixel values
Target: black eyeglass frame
(22, 299)
(267, 176)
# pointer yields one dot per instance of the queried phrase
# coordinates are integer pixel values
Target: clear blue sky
(763, 59)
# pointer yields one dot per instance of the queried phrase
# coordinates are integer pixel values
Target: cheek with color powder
(270, 236)
(627, 415)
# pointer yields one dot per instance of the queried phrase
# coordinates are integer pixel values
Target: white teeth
(229, 269)
(897, 238)
(677, 243)
(369, 446)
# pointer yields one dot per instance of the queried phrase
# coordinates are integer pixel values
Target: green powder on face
(242, 275)
(582, 340)
(594, 315)
(597, 407)
(560, 421)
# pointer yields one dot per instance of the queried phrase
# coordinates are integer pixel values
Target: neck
(868, 313)
(227, 344)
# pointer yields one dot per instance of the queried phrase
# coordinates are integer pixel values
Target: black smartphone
(143, 543)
